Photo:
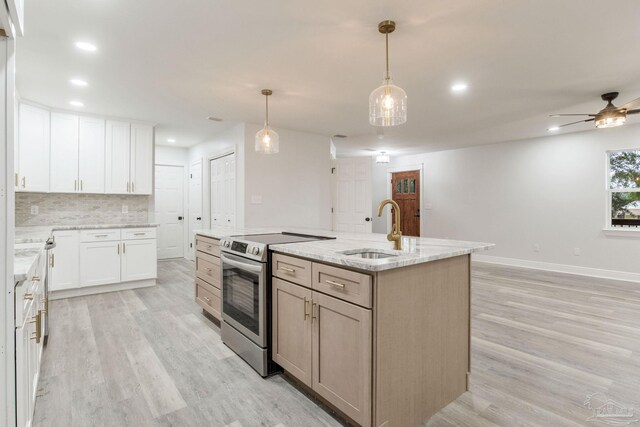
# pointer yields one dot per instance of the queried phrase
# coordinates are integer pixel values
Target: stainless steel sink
(370, 253)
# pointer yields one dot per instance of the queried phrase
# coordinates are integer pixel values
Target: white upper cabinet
(118, 154)
(141, 159)
(33, 150)
(91, 154)
(64, 153)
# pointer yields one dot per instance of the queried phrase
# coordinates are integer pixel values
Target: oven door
(244, 296)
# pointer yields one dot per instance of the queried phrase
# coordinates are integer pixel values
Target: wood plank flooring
(541, 344)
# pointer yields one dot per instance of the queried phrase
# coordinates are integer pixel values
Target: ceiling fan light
(611, 119)
(382, 158)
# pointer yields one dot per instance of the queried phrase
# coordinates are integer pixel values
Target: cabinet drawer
(343, 284)
(208, 268)
(293, 269)
(208, 245)
(208, 297)
(138, 233)
(100, 235)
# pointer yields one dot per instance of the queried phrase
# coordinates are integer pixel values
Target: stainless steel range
(246, 295)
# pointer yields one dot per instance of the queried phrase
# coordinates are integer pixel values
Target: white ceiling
(176, 62)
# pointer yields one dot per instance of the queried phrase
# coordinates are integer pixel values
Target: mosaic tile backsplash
(80, 209)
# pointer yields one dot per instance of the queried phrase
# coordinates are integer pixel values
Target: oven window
(241, 297)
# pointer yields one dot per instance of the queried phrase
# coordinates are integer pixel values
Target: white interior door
(169, 205)
(352, 195)
(195, 204)
(223, 191)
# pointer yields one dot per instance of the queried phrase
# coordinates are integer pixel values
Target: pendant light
(267, 140)
(383, 157)
(388, 103)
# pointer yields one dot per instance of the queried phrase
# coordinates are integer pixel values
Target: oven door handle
(239, 264)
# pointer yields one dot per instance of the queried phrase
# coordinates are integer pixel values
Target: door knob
(367, 219)
(179, 218)
(198, 218)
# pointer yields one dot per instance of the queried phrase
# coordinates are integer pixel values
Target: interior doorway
(405, 191)
(169, 208)
(195, 204)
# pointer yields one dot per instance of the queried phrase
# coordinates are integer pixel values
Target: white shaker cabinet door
(99, 263)
(92, 155)
(117, 157)
(33, 149)
(139, 260)
(141, 159)
(65, 258)
(64, 153)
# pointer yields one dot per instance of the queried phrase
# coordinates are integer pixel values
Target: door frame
(406, 168)
(188, 184)
(215, 156)
(185, 203)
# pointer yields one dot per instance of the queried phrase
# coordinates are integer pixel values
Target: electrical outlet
(536, 247)
(576, 251)
(125, 209)
(34, 210)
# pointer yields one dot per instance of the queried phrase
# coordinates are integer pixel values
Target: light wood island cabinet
(386, 348)
(208, 276)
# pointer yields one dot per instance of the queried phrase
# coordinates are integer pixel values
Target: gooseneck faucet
(396, 235)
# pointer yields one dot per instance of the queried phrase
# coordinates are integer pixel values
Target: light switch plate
(125, 209)
(256, 200)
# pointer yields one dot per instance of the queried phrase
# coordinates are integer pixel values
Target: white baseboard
(560, 268)
(101, 289)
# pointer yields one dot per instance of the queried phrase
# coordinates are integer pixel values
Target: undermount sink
(370, 253)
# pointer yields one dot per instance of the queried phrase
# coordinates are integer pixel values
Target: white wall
(549, 191)
(294, 185)
(230, 140)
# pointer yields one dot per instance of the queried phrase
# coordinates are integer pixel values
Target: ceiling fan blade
(581, 121)
(633, 111)
(629, 105)
(565, 115)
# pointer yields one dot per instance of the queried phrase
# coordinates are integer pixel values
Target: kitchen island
(380, 335)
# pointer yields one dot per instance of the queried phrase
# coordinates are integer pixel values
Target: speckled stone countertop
(23, 260)
(25, 237)
(37, 234)
(416, 250)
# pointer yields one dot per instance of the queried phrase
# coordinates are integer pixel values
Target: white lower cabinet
(89, 258)
(65, 258)
(138, 260)
(99, 263)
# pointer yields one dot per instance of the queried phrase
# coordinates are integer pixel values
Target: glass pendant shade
(267, 141)
(388, 105)
(382, 158)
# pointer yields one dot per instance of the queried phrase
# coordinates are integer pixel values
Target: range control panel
(255, 251)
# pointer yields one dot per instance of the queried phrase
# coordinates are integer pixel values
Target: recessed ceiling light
(86, 46)
(459, 87)
(171, 140)
(78, 82)
(76, 103)
(214, 119)
(554, 128)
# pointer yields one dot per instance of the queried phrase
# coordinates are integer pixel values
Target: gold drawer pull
(35, 278)
(287, 269)
(331, 282)
(139, 234)
(28, 296)
(306, 301)
(102, 235)
(313, 309)
(208, 299)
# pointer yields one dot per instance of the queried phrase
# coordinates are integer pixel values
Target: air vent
(214, 119)
(339, 136)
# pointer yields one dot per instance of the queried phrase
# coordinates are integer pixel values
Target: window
(624, 189)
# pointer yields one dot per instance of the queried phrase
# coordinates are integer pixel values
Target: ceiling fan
(610, 116)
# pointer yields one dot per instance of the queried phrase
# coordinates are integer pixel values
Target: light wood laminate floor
(541, 344)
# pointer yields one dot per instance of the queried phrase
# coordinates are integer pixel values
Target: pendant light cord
(267, 110)
(386, 36)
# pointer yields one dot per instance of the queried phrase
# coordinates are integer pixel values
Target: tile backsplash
(80, 209)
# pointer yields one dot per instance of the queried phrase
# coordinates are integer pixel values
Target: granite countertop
(23, 260)
(416, 250)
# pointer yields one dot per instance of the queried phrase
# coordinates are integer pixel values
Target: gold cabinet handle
(139, 234)
(37, 319)
(331, 282)
(75, 185)
(208, 299)
(80, 185)
(118, 248)
(35, 278)
(17, 178)
(53, 260)
(46, 305)
(24, 182)
(306, 301)
(132, 187)
(28, 296)
(124, 248)
(313, 310)
(287, 269)
(102, 235)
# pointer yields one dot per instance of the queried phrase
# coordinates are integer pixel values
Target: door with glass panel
(406, 192)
